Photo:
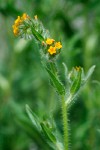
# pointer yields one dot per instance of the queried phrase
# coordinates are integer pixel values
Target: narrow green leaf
(37, 35)
(53, 68)
(33, 117)
(67, 80)
(66, 69)
(89, 73)
(33, 132)
(76, 83)
(57, 84)
(48, 133)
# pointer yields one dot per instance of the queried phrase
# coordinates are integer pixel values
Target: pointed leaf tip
(33, 117)
(57, 84)
(76, 83)
(48, 133)
(90, 72)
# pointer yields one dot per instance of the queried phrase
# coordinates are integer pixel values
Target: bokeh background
(23, 80)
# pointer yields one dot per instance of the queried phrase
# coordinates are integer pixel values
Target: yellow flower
(58, 45)
(52, 50)
(35, 17)
(49, 41)
(18, 21)
(24, 16)
(78, 68)
(16, 31)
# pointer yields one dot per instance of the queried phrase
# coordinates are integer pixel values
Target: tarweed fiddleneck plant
(31, 28)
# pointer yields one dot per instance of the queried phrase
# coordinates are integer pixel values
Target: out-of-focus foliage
(23, 80)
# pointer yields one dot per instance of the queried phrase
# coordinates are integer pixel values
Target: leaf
(67, 80)
(37, 35)
(89, 73)
(33, 133)
(33, 117)
(57, 84)
(76, 83)
(53, 68)
(66, 69)
(48, 133)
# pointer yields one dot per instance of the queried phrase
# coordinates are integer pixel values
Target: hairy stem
(65, 123)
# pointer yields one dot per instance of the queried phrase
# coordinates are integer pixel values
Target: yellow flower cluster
(53, 46)
(18, 22)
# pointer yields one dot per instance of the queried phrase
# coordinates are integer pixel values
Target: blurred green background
(23, 80)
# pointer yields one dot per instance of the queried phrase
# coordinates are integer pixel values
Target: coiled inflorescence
(19, 21)
(28, 27)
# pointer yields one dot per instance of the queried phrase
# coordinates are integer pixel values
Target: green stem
(65, 123)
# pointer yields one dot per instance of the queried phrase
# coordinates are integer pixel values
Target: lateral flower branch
(31, 28)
